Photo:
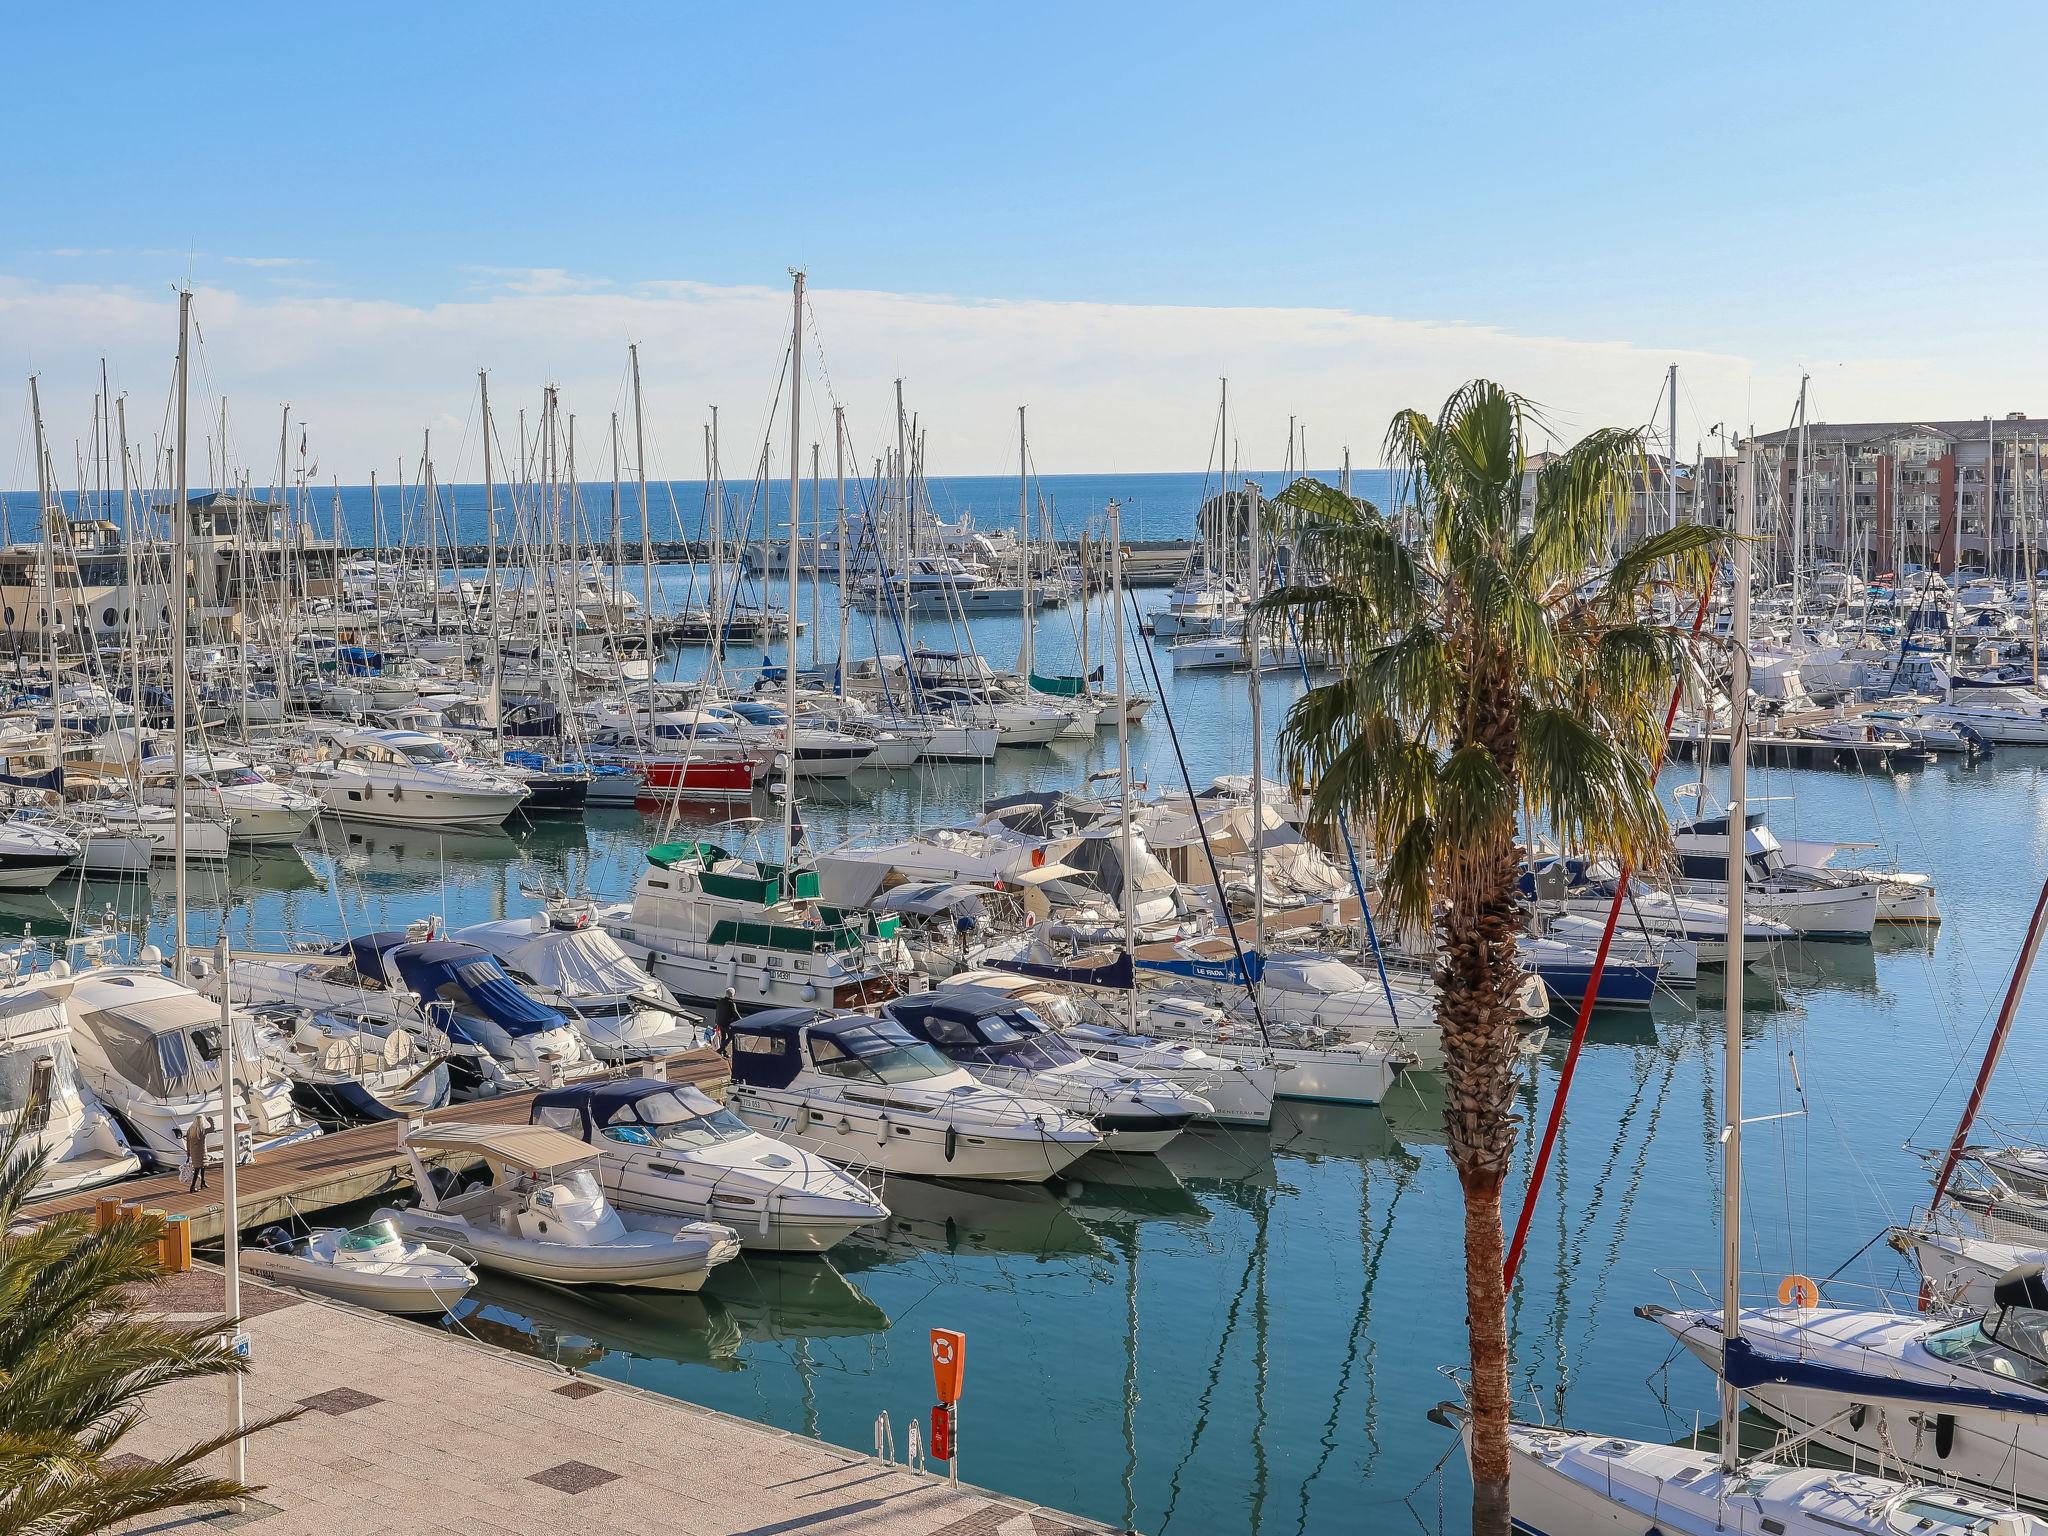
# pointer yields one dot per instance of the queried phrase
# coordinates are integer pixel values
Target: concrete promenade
(411, 1432)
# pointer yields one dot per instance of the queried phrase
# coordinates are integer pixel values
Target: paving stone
(338, 1400)
(574, 1477)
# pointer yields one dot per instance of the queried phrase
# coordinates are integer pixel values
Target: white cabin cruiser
(1006, 1044)
(670, 1150)
(1832, 905)
(564, 959)
(406, 778)
(227, 790)
(33, 854)
(710, 925)
(539, 1212)
(369, 1266)
(40, 1088)
(865, 1093)
(151, 1047)
(1237, 1092)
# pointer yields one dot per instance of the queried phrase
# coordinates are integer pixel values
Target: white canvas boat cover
(572, 962)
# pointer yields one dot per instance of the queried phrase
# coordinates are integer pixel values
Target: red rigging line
(1571, 1055)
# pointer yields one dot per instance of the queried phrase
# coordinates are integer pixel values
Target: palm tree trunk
(1479, 981)
(1486, 1333)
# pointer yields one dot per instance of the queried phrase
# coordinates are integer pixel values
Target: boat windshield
(367, 1239)
(876, 1053)
(2010, 1343)
(674, 1123)
(425, 751)
(237, 776)
(1022, 1041)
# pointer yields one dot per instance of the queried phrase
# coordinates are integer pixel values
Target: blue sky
(1829, 186)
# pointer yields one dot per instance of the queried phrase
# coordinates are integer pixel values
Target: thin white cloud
(267, 261)
(1110, 387)
(533, 281)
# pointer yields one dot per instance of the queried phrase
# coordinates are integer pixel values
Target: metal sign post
(949, 1366)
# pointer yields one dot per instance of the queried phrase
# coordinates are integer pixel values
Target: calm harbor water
(1245, 1334)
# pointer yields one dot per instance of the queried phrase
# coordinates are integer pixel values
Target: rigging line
(1251, 985)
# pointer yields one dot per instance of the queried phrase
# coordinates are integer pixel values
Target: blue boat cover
(1115, 976)
(440, 970)
(593, 1102)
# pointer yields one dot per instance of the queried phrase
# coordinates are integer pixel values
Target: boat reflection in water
(367, 852)
(265, 867)
(775, 1298)
(1115, 1187)
(566, 1327)
(963, 1219)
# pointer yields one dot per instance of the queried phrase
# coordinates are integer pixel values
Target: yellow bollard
(106, 1211)
(175, 1247)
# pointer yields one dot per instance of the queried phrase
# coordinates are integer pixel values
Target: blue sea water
(1245, 1334)
(1155, 506)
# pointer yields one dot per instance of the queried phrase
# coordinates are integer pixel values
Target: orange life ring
(1798, 1291)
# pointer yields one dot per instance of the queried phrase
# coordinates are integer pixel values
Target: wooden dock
(330, 1170)
(1768, 751)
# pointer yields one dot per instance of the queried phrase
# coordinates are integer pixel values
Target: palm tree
(78, 1354)
(1483, 681)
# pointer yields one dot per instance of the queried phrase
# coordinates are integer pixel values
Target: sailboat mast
(1671, 449)
(796, 517)
(492, 652)
(1799, 504)
(817, 551)
(1738, 832)
(180, 613)
(1123, 749)
(1255, 573)
(618, 533)
(845, 600)
(1027, 658)
(35, 399)
(646, 538)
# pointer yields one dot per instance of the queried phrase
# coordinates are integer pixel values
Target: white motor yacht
(1835, 905)
(40, 1087)
(34, 853)
(1306, 1062)
(710, 924)
(538, 1212)
(866, 1094)
(564, 959)
(229, 791)
(1006, 1044)
(1237, 1092)
(407, 778)
(151, 1048)
(670, 1150)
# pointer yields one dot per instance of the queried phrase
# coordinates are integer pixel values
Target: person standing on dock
(195, 1155)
